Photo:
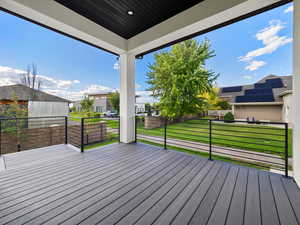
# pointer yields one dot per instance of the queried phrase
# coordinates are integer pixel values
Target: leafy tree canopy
(179, 76)
(114, 98)
(86, 104)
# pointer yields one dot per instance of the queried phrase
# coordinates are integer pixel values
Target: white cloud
(254, 65)
(95, 88)
(270, 39)
(62, 88)
(248, 77)
(65, 88)
(289, 9)
(145, 97)
(116, 66)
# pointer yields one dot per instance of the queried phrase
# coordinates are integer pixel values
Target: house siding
(259, 112)
(42, 109)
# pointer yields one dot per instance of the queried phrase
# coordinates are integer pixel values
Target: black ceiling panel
(113, 14)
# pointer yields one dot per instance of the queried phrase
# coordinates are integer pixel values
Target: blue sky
(245, 52)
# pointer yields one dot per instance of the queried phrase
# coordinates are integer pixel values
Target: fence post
(135, 132)
(210, 137)
(0, 137)
(286, 155)
(165, 138)
(66, 130)
(119, 129)
(82, 135)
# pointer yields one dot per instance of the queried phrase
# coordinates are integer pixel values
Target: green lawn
(206, 155)
(76, 116)
(97, 145)
(251, 137)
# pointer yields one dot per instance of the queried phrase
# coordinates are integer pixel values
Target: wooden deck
(140, 184)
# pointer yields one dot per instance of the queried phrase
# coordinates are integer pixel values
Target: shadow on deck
(140, 184)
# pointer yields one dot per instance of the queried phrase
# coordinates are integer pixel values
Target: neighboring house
(101, 102)
(269, 99)
(38, 103)
(140, 107)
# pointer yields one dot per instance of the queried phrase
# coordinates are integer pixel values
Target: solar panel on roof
(270, 83)
(254, 98)
(259, 91)
(232, 89)
(275, 83)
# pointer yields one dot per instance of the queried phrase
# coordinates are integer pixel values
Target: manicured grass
(107, 142)
(259, 138)
(76, 116)
(204, 155)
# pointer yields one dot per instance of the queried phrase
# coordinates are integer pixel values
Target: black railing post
(135, 126)
(119, 127)
(286, 155)
(82, 135)
(0, 137)
(210, 137)
(66, 130)
(165, 136)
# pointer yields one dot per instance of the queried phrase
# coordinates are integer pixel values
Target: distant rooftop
(268, 89)
(25, 93)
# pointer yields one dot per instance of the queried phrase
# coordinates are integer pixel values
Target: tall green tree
(114, 98)
(17, 112)
(86, 104)
(178, 77)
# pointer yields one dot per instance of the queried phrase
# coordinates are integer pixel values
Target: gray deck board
(252, 209)
(140, 184)
(236, 210)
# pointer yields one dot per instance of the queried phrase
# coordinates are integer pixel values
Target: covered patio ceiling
(132, 26)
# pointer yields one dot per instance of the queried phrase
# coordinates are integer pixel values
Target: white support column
(127, 98)
(296, 93)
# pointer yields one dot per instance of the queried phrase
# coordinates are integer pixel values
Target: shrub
(97, 114)
(229, 118)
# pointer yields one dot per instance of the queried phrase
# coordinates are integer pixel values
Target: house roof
(268, 89)
(25, 93)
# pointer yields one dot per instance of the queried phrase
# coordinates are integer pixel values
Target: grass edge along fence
(109, 131)
(260, 145)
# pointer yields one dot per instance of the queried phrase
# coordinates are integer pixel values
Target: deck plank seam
(223, 182)
(163, 211)
(96, 163)
(197, 187)
(145, 169)
(245, 200)
(62, 190)
(169, 163)
(164, 183)
(191, 179)
(83, 172)
(231, 197)
(194, 161)
(288, 197)
(46, 204)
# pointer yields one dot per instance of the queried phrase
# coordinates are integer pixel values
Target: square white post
(127, 98)
(296, 93)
